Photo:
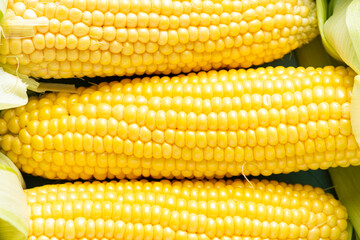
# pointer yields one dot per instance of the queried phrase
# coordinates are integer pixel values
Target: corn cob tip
(355, 109)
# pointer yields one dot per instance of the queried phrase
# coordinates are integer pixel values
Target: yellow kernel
(62, 13)
(97, 18)
(66, 27)
(29, 14)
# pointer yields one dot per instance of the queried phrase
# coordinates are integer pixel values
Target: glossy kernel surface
(210, 124)
(184, 210)
(77, 38)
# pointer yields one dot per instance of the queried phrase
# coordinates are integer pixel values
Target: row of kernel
(165, 196)
(209, 170)
(227, 92)
(167, 8)
(54, 118)
(184, 146)
(230, 226)
(216, 187)
(118, 122)
(118, 164)
(167, 122)
(230, 207)
(267, 80)
(83, 61)
(129, 41)
(290, 24)
(298, 107)
(213, 149)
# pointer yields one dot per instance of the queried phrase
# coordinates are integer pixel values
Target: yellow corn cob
(210, 124)
(184, 210)
(75, 38)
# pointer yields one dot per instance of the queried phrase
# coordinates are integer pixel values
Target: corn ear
(151, 37)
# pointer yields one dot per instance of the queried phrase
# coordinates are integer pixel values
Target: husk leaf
(322, 14)
(346, 183)
(14, 212)
(3, 7)
(12, 91)
(340, 31)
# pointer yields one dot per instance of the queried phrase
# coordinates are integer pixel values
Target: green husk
(13, 90)
(14, 86)
(6, 163)
(352, 22)
(3, 7)
(340, 30)
(350, 230)
(346, 182)
(14, 212)
(322, 14)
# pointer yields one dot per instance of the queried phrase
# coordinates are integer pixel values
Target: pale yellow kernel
(96, 33)
(254, 25)
(280, 21)
(60, 41)
(75, 15)
(62, 13)
(27, 46)
(50, 9)
(39, 41)
(49, 42)
(54, 25)
(66, 27)
(86, 17)
(84, 43)
(43, 24)
(248, 38)
(98, 18)
(234, 29)
(72, 43)
(29, 14)
(109, 33)
(19, 8)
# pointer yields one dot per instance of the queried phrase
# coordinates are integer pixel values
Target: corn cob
(76, 38)
(210, 124)
(193, 210)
